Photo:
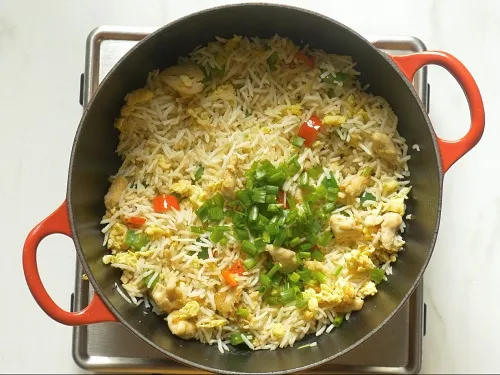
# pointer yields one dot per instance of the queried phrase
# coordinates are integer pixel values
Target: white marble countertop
(42, 46)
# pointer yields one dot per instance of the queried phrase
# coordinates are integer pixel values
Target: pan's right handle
(95, 312)
(450, 151)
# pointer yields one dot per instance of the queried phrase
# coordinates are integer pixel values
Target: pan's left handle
(450, 151)
(57, 222)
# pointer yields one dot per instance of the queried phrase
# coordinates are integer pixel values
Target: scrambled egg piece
(116, 239)
(224, 92)
(277, 331)
(265, 130)
(213, 323)
(128, 258)
(233, 43)
(334, 120)
(190, 310)
(368, 289)
(358, 261)
(156, 232)
(294, 109)
(390, 186)
(341, 297)
(196, 194)
(163, 164)
(363, 114)
(396, 205)
(138, 96)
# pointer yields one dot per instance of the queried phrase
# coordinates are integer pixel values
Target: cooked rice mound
(198, 132)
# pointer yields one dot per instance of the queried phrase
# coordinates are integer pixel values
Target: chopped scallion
(199, 173)
(253, 214)
(318, 255)
(273, 270)
(243, 312)
(298, 141)
(249, 263)
(337, 321)
(294, 277)
(337, 270)
(248, 247)
(377, 275)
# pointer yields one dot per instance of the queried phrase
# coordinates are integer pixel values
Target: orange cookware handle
(450, 151)
(57, 222)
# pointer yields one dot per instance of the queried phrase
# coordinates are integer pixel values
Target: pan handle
(57, 222)
(450, 151)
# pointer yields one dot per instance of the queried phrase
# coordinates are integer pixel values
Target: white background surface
(42, 46)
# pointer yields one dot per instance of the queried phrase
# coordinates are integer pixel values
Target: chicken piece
(368, 289)
(373, 220)
(388, 230)
(185, 79)
(344, 228)
(116, 239)
(382, 145)
(228, 185)
(358, 261)
(138, 96)
(287, 258)
(115, 191)
(356, 305)
(334, 121)
(355, 185)
(180, 321)
(168, 297)
(225, 301)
